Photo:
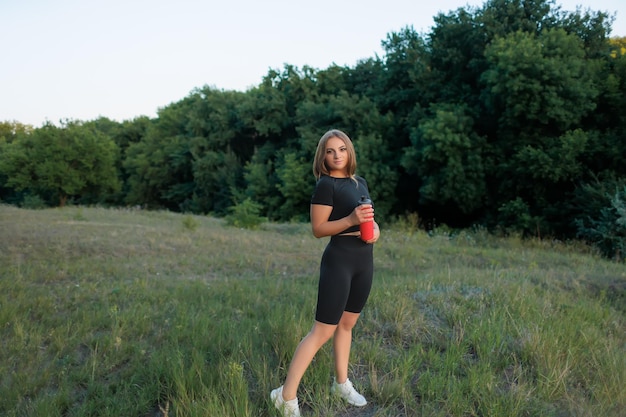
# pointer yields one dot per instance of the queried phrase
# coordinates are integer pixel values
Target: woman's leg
(308, 347)
(341, 344)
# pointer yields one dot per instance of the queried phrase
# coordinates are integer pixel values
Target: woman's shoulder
(324, 191)
(360, 179)
(324, 181)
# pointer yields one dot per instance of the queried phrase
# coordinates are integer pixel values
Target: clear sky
(81, 59)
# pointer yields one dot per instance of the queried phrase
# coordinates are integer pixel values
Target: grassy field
(151, 314)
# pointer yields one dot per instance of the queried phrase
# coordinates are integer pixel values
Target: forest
(509, 117)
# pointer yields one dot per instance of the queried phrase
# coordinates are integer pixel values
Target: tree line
(509, 116)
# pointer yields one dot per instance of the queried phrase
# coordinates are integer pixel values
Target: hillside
(108, 312)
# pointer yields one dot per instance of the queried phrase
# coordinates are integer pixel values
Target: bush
(607, 229)
(32, 201)
(516, 217)
(189, 223)
(245, 215)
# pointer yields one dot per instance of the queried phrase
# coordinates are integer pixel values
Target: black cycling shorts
(346, 273)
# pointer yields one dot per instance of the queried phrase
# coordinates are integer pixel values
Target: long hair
(319, 164)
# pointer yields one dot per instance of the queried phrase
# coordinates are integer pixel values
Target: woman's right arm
(321, 226)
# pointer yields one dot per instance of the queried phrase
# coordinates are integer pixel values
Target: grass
(109, 312)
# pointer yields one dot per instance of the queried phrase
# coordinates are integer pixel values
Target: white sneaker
(287, 408)
(348, 393)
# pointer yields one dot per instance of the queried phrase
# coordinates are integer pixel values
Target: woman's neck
(339, 174)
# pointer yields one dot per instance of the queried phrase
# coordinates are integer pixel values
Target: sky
(121, 59)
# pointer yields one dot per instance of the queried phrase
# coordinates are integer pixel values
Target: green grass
(131, 313)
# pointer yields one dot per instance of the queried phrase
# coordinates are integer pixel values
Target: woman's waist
(356, 233)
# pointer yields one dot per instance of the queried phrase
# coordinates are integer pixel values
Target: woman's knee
(322, 332)
(348, 320)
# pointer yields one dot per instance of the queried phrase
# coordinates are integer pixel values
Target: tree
(217, 174)
(406, 61)
(9, 131)
(538, 85)
(370, 132)
(456, 59)
(450, 158)
(377, 164)
(295, 183)
(295, 85)
(159, 171)
(539, 89)
(159, 166)
(502, 17)
(264, 110)
(261, 181)
(67, 161)
(606, 227)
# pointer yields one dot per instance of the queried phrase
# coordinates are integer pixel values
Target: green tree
(261, 181)
(450, 157)
(606, 228)
(159, 172)
(331, 80)
(295, 86)
(295, 183)
(455, 58)
(217, 176)
(221, 141)
(539, 88)
(502, 17)
(406, 62)
(606, 153)
(123, 134)
(538, 85)
(67, 161)
(264, 109)
(370, 132)
(159, 166)
(9, 131)
(213, 122)
(375, 164)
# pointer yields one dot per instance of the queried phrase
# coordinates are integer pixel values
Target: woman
(346, 268)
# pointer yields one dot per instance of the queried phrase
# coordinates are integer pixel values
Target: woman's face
(336, 158)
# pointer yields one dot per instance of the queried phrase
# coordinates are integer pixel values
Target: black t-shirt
(343, 194)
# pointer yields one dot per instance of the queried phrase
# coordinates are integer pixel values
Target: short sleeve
(323, 193)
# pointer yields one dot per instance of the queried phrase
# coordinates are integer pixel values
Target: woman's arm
(376, 234)
(321, 226)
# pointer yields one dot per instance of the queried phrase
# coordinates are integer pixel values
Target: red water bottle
(367, 227)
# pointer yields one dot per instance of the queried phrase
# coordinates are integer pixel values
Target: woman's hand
(365, 213)
(362, 214)
(376, 234)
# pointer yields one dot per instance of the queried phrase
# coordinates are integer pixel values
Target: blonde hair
(319, 165)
